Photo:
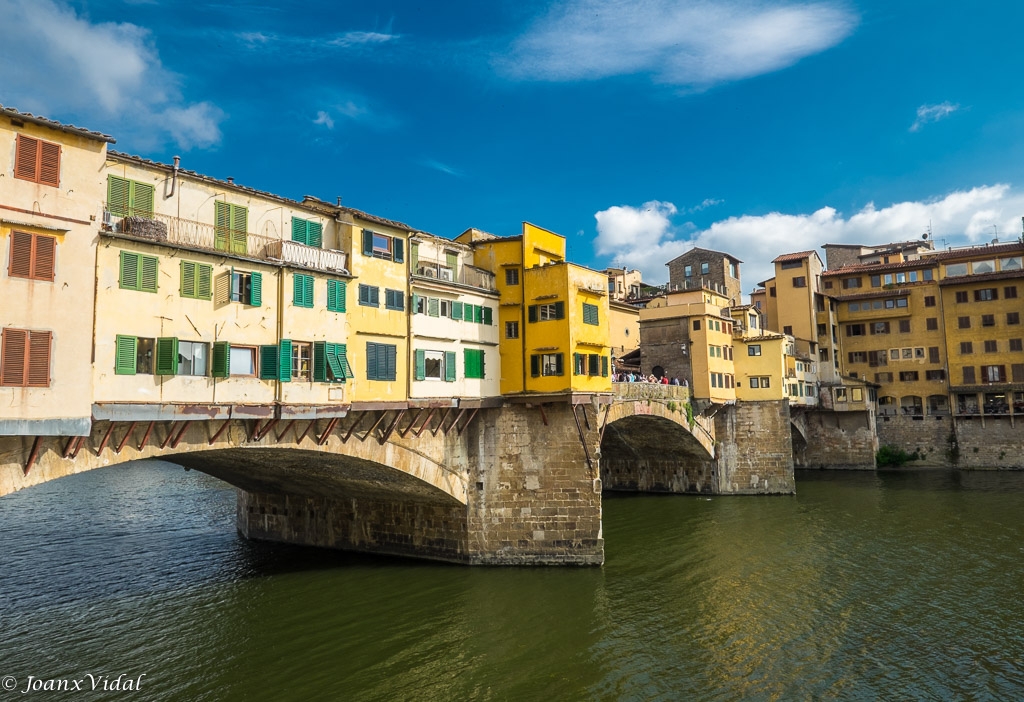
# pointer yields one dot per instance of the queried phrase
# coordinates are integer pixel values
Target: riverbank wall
(946, 441)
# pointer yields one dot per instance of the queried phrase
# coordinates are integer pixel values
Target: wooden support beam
(387, 434)
(543, 416)
(583, 439)
(106, 438)
(255, 430)
(145, 437)
(586, 419)
(170, 434)
(287, 429)
(223, 427)
(327, 432)
(308, 427)
(124, 440)
(468, 421)
(184, 428)
(412, 422)
(261, 434)
(457, 418)
(78, 447)
(604, 423)
(352, 428)
(34, 455)
(425, 421)
(380, 418)
(67, 447)
(440, 422)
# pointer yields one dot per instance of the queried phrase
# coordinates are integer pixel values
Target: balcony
(466, 275)
(175, 231)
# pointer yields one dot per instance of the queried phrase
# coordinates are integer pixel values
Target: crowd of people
(641, 378)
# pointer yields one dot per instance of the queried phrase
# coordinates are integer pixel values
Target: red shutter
(49, 163)
(39, 359)
(26, 158)
(12, 357)
(42, 265)
(20, 265)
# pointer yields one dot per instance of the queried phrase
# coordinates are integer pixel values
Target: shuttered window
(336, 295)
(37, 160)
(395, 300)
(369, 295)
(129, 198)
(590, 314)
(381, 361)
(303, 289)
(25, 358)
(221, 363)
(307, 232)
(473, 360)
(196, 280)
(231, 222)
(32, 256)
(329, 362)
(138, 272)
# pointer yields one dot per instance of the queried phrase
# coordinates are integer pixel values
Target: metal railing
(162, 228)
(465, 275)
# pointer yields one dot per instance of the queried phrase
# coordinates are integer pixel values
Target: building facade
(704, 268)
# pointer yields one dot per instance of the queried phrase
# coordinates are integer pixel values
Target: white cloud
(348, 39)
(324, 119)
(704, 204)
(695, 43)
(646, 238)
(933, 113)
(55, 62)
(443, 167)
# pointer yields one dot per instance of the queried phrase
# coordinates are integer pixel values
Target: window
(876, 281)
(732, 269)
(993, 374)
(1013, 318)
(963, 322)
(839, 394)
(857, 357)
(986, 294)
(908, 376)
(196, 280)
(511, 330)
(546, 364)
(336, 295)
(704, 269)
(383, 247)
(956, 269)
(1015, 345)
(822, 329)
(787, 330)
(851, 283)
(929, 301)
(512, 276)
(879, 327)
(800, 282)
(771, 291)
(827, 284)
(307, 232)
(988, 320)
(138, 272)
(330, 362)
(895, 302)
(133, 355)
(1010, 264)
(931, 323)
(969, 376)
(966, 347)
(755, 382)
(231, 222)
(302, 361)
(241, 360)
(129, 198)
(961, 295)
(991, 346)
(395, 300)
(904, 326)
(543, 313)
(25, 358)
(473, 359)
(381, 361)
(192, 357)
(878, 358)
(435, 365)
(32, 256)
(590, 314)
(856, 394)
(369, 295)
(688, 271)
(37, 160)
(1010, 292)
(1018, 374)
(302, 289)
(938, 374)
(696, 325)
(247, 288)
(933, 354)
(983, 267)
(791, 264)
(883, 377)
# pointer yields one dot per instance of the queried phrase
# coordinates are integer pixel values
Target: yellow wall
(623, 328)
(769, 364)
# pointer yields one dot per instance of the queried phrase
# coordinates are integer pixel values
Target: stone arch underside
(650, 453)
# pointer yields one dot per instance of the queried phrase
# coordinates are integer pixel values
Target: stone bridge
(517, 480)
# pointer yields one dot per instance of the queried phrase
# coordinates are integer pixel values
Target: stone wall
(929, 436)
(754, 450)
(994, 443)
(843, 440)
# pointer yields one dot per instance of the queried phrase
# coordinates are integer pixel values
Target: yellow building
(553, 315)
(760, 362)
(623, 327)
(623, 283)
(50, 190)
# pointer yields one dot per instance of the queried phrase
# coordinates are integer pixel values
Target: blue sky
(636, 129)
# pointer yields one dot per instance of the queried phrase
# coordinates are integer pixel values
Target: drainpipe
(279, 394)
(174, 175)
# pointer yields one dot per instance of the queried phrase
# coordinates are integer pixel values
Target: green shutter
(535, 365)
(315, 234)
(559, 310)
(204, 282)
(167, 356)
(300, 230)
(141, 199)
(222, 222)
(456, 310)
(415, 304)
(320, 361)
(332, 295)
(577, 365)
(433, 307)
(299, 290)
(239, 229)
(559, 365)
(371, 360)
(399, 247)
(335, 354)
(346, 369)
(129, 279)
(604, 366)
(307, 290)
(148, 270)
(125, 353)
(478, 314)
(449, 366)
(532, 313)
(452, 260)
(284, 371)
(367, 242)
(188, 279)
(256, 290)
(487, 316)
(268, 362)
(342, 292)
(414, 256)
(221, 366)
(421, 364)
(117, 196)
(391, 362)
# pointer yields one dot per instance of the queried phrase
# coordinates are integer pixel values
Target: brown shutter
(42, 265)
(12, 357)
(26, 158)
(39, 359)
(20, 265)
(49, 163)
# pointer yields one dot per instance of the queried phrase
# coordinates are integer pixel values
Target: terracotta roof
(864, 267)
(67, 128)
(968, 279)
(794, 256)
(926, 261)
(986, 250)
